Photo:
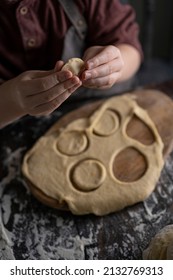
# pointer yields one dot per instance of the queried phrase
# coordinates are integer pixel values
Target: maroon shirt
(32, 32)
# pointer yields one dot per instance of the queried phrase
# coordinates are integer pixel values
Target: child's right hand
(41, 92)
(36, 93)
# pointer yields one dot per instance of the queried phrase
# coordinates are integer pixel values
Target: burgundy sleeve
(111, 22)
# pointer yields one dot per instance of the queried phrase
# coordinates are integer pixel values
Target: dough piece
(81, 175)
(108, 123)
(161, 246)
(77, 142)
(75, 65)
(59, 163)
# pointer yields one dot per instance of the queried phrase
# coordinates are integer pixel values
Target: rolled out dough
(75, 164)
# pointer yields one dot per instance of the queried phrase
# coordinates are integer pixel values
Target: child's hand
(41, 92)
(104, 66)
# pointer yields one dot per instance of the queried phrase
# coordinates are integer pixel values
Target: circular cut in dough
(107, 124)
(75, 65)
(72, 143)
(88, 175)
(161, 246)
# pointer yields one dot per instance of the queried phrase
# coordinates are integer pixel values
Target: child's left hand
(104, 65)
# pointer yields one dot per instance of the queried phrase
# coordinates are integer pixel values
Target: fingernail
(64, 76)
(74, 80)
(87, 76)
(67, 75)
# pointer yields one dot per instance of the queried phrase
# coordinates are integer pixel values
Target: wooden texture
(129, 165)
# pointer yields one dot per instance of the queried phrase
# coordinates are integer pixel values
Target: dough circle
(161, 246)
(108, 123)
(88, 175)
(72, 143)
(75, 65)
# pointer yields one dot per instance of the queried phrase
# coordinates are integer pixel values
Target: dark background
(155, 18)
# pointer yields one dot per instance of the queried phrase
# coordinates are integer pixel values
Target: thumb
(59, 64)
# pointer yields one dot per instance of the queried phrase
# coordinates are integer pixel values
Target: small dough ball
(161, 246)
(75, 65)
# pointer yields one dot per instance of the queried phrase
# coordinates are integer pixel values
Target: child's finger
(49, 107)
(51, 94)
(59, 64)
(103, 82)
(107, 54)
(38, 85)
(103, 70)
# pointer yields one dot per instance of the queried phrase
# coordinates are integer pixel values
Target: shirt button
(23, 10)
(31, 42)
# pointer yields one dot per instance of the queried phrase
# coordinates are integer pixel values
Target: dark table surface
(30, 230)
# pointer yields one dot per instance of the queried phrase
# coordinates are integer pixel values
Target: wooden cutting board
(129, 165)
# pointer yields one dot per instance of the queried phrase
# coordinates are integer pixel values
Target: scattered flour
(46, 234)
